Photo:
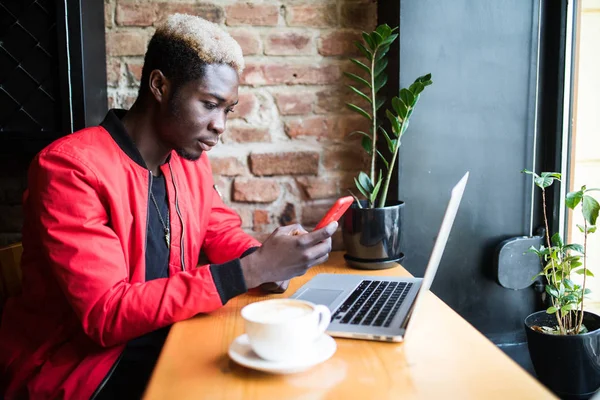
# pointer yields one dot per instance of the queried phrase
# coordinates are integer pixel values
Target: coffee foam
(280, 312)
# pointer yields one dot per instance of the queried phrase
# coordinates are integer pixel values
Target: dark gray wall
(478, 116)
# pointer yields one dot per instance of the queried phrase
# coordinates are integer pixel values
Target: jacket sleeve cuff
(229, 279)
(249, 251)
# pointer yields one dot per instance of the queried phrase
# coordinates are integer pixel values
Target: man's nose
(217, 124)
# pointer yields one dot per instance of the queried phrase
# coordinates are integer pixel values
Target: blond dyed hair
(212, 43)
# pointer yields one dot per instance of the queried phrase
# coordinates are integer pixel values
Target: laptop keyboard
(372, 303)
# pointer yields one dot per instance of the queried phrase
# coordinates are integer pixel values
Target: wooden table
(443, 358)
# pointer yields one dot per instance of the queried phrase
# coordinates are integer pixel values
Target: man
(115, 219)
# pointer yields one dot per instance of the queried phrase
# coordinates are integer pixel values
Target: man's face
(193, 118)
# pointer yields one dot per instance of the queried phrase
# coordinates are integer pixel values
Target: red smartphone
(336, 211)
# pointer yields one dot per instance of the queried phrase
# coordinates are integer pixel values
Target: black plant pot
(567, 365)
(372, 236)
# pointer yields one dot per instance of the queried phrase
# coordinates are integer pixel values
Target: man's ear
(159, 86)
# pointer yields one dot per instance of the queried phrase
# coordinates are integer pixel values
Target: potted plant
(564, 340)
(372, 227)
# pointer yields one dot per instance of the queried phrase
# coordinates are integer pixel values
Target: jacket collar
(112, 123)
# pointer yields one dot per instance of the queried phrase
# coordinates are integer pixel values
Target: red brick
(291, 74)
(260, 219)
(126, 43)
(246, 134)
(319, 126)
(209, 12)
(247, 103)
(330, 100)
(313, 15)
(359, 15)
(113, 72)
(248, 40)
(285, 163)
(294, 103)
(345, 158)
(349, 123)
(252, 14)
(255, 190)
(339, 43)
(318, 188)
(141, 14)
(134, 72)
(227, 166)
(288, 43)
(108, 15)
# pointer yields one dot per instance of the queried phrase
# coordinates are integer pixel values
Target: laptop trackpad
(320, 296)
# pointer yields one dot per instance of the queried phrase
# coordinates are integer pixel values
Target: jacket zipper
(180, 219)
(106, 378)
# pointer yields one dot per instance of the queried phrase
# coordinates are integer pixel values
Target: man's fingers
(314, 237)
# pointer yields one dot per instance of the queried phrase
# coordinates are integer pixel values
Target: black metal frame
(82, 81)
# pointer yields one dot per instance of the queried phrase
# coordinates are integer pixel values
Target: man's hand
(275, 287)
(290, 251)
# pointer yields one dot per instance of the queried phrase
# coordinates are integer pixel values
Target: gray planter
(372, 237)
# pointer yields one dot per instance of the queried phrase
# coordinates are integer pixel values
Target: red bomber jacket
(84, 238)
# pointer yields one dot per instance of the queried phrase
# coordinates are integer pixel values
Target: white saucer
(241, 352)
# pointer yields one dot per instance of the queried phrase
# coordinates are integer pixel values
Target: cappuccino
(272, 313)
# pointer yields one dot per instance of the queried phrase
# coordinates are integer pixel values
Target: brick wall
(285, 155)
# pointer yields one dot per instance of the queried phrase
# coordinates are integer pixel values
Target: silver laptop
(378, 307)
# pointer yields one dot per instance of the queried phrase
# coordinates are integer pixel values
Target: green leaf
(424, 78)
(368, 55)
(551, 290)
(569, 307)
(401, 109)
(568, 283)
(357, 79)
(416, 88)
(394, 121)
(557, 240)
(590, 209)
(407, 97)
(385, 162)
(380, 81)
(376, 189)
(543, 182)
(551, 310)
(361, 94)
(573, 198)
(389, 40)
(528, 172)
(591, 229)
(380, 66)
(574, 247)
(376, 38)
(554, 175)
(368, 40)
(367, 144)
(365, 181)
(360, 188)
(380, 102)
(359, 110)
(587, 272)
(533, 250)
(362, 66)
(361, 133)
(388, 139)
(587, 291)
(384, 30)
(381, 52)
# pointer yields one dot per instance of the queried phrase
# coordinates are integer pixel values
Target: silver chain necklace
(166, 229)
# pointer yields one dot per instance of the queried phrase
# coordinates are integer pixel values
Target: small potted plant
(372, 227)
(564, 340)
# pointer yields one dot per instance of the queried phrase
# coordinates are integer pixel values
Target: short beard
(187, 156)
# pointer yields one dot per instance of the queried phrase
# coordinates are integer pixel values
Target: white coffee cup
(284, 329)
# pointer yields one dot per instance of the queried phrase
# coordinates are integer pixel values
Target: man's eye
(229, 110)
(210, 106)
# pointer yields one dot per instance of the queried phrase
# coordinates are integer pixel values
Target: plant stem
(374, 108)
(388, 178)
(585, 233)
(558, 316)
